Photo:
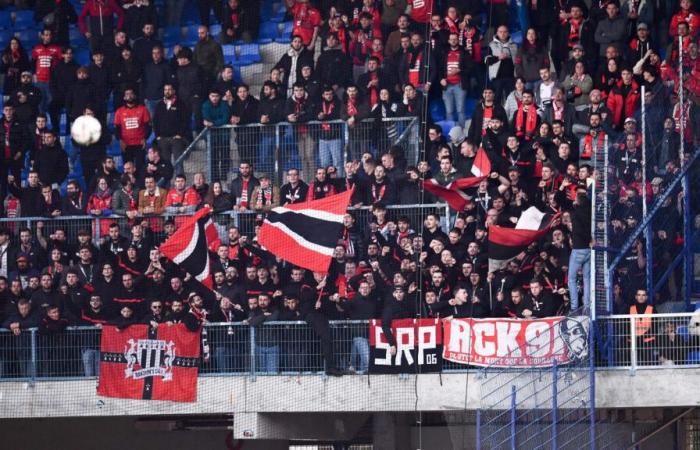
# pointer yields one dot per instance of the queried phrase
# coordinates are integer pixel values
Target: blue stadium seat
(5, 36)
(82, 56)
(446, 126)
(249, 54)
(469, 106)
(172, 35)
(215, 29)
(5, 20)
(517, 37)
(29, 38)
(191, 35)
(693, 358)
(437, 110)
(269, 31)
(285, 35)
(24, 20)
(280, 13)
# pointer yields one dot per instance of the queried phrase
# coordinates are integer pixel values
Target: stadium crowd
(546, 108)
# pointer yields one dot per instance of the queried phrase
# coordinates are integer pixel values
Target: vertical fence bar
(478, 429)
(513, 417)
(633, 344)
(276, 154)
(33, 368)
(591, 383)
(210, 159)
(555, 388)
(647, 229)
(688, 240)
(252, 352)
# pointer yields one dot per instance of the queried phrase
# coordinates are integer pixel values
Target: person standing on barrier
(330, 145)
(299, 110)
(244, 111)
(580, 258)
(354, 110)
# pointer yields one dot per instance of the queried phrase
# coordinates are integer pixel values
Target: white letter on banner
(507, 334)
(538, 338)
(381, 344)
(402, 348)
(460, 336)
(483, 345)
(427, 340)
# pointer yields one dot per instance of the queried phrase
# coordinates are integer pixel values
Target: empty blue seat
(446, 126)
(5, 37)
(249, 54)
(285, 35)
(172, 35)
(29, 38)
(268, 31)
(82, 56)
(437, 110)
(229, 50)
(693, 357)
(191, 35)
(24, 20)
(280, 13)
(5, 20)
(215, 29)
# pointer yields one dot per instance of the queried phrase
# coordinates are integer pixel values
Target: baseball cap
(642, 26)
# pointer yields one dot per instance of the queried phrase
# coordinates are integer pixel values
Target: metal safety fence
(231, 349)
(67, 228)
(648, 341)
(276, 148)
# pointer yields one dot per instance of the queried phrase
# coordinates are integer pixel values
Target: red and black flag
(454, 193)
(147, 363)
(306, 234)
(507, 243)
(189, 246)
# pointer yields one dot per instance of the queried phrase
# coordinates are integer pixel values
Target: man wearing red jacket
(96, 21)
(132, 126)
(623, 98)
(44, 56)
(181, 199)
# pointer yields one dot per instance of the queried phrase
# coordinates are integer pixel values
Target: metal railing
(98, 226)
(234, 349)
(275, 148)
(642, 341)
(293, 348)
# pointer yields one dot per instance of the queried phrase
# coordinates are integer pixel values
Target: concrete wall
(449, 392)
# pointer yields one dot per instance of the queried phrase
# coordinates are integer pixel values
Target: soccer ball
(86, 130)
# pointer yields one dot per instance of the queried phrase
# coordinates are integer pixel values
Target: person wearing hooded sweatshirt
(501, 62)
(292, 61)
(50, 161)
(333, 66)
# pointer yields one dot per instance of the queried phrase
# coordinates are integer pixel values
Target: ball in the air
(86, 130)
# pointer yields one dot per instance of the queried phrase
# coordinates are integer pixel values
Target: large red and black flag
(507, 243)
(453, 193)
(147, 363)
(306, 234)
(189, 246)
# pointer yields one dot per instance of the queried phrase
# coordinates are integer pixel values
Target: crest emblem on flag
(148, 358)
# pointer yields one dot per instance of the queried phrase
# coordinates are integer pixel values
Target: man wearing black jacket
(333, 67)
(171, 124)
(156, 73)
(329, 135)
(13, 133)
(299, 110)
(580, 258)
(271, 111)
(63, 77)
(29, 197)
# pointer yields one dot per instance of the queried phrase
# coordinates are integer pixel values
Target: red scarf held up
(526, 122)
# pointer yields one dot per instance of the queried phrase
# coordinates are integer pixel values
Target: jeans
(331, 152)
(45, 97)
(268, 358)
(91, 362)
(453, 97)
(151, 107)
(359, 355)
(580, 259)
